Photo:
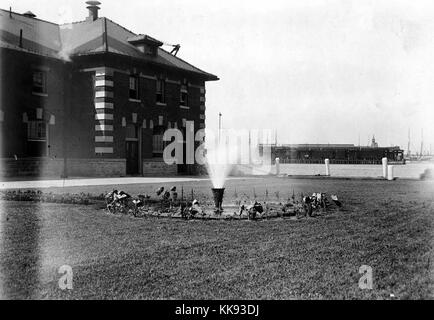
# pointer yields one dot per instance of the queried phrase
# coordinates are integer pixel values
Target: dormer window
(145, 44)
(149, 50)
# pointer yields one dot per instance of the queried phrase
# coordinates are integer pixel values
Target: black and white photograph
(225, 151)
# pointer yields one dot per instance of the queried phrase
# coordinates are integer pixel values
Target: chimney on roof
(21, 38)
(29, 14)
(93, 10)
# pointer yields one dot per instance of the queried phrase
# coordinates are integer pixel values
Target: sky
(316, 71)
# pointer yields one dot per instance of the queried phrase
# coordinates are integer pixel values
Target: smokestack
(93, 10)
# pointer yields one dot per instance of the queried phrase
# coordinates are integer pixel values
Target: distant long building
(337, 153)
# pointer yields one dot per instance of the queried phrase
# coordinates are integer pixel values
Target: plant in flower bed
(39, 196)
(168, 204)
(304, 206)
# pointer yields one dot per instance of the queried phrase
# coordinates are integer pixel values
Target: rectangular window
(36, 131)
(39, 81)
(184, 96)
(160, 91)
(157, 143)
(131, 132)
(36, 139)
(134, 87)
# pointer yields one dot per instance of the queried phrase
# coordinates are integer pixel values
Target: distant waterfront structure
(337, 153)
(374, 144)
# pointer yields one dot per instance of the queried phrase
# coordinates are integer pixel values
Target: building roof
(326, 146)
(316, 145)
(81, 38)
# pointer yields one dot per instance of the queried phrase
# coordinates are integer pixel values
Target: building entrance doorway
(132, 150)
(132, 153)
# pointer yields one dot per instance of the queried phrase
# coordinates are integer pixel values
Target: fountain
(218, 198)
(219, 165)
(230, 149)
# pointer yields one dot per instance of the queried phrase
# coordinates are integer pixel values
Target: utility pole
(250, 149)
(421, 143)
(220, 126)
(408, 146)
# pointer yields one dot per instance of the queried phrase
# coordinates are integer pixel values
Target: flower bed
(39, 196)
(167, 204)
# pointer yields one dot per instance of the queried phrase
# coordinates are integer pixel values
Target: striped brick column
(202, 108)
(104, 111)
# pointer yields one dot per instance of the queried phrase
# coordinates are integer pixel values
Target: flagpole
(220, 126)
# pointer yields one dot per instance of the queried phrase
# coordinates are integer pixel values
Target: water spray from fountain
(219, 163)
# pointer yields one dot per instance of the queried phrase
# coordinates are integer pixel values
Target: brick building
(91, 98)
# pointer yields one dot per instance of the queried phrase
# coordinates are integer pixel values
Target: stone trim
(104, 83)
(103, 138)
(103, 116)
(103, 105)
(104, 110)
(173, 81)
(103, 94)
(103, 127)
(103, 149)
(49, 167)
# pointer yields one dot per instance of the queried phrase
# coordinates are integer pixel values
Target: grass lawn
(385, 225)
